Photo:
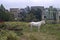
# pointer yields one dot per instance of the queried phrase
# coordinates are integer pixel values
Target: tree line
(32, 15)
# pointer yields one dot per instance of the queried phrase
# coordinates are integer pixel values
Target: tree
(30, 17)
(4, 14)
(33, 14)
(37, 13)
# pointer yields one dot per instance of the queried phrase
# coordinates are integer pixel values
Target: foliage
(6, 32)
(47, 32)
(8, 35)
(4, 14)
(31, 15)
(37, 13)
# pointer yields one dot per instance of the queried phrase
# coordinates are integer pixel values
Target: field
(47, 32)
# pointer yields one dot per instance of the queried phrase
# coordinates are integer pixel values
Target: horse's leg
(38, 28)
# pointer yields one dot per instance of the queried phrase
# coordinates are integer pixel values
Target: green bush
(2, 25)
(8, 35)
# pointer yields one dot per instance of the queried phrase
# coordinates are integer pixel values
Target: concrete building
(58, 15)
(47, 13)
(15, 12)
(52, 14)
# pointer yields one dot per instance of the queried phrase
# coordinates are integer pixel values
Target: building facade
(52, 14)
(47, 13)
(15, 12)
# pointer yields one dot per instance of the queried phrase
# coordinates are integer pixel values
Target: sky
(23, 3)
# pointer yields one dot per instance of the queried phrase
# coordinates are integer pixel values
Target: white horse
(37, 24)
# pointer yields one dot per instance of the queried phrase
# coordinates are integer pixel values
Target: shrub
(8, 35)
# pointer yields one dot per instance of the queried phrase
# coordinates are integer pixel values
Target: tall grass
(47, 31)
(8, 35)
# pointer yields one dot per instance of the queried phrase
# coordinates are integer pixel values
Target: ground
(47, 31)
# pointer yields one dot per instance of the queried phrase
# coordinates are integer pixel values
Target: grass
(8, 35)
(47, 32)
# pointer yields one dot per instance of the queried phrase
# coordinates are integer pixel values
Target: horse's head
(43, 21)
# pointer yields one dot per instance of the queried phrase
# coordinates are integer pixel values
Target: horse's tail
(29, 24)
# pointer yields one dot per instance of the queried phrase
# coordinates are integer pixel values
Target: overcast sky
(23, 3)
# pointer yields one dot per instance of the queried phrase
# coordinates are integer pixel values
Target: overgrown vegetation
(10, 32)
(47, 32)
